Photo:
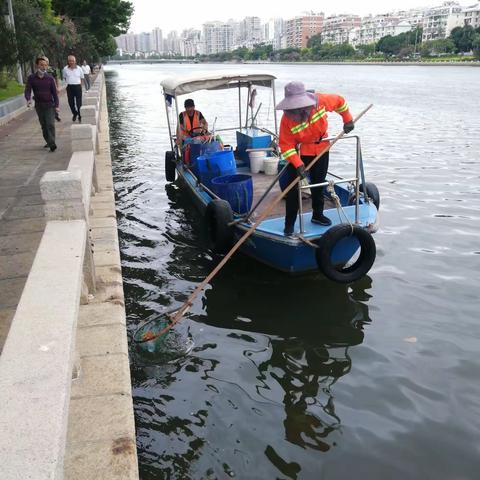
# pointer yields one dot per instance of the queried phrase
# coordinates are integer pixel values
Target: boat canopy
(175, 86)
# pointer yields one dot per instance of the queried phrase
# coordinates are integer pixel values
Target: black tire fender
(360, 267)
(170, 166)
(218, 216)
(371, 191)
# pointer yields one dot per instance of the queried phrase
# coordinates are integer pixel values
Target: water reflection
(255, 351)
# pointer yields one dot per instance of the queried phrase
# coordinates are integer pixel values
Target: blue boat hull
(268, 245)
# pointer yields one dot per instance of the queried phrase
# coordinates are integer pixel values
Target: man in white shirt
(86, 74)
(73, 76)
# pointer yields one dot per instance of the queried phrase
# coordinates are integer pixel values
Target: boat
(344, 251)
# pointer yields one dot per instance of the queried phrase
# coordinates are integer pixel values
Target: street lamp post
(11, 22)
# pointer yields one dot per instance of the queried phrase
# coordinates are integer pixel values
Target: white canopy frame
(173, 87)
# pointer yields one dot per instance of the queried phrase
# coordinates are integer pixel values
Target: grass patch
(13, 89)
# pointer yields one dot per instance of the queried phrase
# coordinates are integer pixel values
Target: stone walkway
(23, 161)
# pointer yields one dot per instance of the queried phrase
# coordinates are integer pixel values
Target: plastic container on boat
(270, 165)
(198, 149)
(256, 160)
(236, 189)
(215, 164)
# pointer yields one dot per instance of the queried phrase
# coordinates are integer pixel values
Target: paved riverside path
(23, 161)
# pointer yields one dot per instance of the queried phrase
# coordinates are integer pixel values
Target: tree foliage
(56, 28)
(9, 47)
(463, 37)
(98, 20)
(391, 45)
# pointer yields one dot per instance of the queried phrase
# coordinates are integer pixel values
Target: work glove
(301, 172)
(348, 127)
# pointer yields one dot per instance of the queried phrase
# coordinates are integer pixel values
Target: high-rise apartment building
(373, 28)
(436, 19)
(157, 40)
(299, 30)
(217, 37)
(337, 28)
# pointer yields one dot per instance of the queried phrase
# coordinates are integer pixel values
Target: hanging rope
(336, 200)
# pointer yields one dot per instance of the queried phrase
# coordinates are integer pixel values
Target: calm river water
(300, 378)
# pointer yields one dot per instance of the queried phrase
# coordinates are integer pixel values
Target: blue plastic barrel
(215, 164)
(236, 189)
(198, 149)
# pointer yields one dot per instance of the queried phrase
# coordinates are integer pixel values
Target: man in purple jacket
(46, 100)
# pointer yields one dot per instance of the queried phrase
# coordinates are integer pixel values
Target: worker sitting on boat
(191, 123)
(304, 122)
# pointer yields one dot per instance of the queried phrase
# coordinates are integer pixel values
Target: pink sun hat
(296, 97)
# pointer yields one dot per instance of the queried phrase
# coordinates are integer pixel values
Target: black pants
(318, 174)
(74, 94)
(86, 79)
(46, 117)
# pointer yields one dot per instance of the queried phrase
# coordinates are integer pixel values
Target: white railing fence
(38, 359)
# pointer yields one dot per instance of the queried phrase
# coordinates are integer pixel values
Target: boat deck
(260, 184)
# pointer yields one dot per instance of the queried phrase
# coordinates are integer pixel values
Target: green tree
(437, 47)
(463, 37)
(476, 45)
(97, 21)
(315, 41)
(366, 50)
(391, 45)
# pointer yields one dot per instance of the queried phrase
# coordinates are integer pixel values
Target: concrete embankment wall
(65, 390)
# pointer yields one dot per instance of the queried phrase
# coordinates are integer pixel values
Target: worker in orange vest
(303, 125)
(191, 122)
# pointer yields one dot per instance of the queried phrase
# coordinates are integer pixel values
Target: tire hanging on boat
(170, 166)
(218, 216)
(362, 264)
(371, 191)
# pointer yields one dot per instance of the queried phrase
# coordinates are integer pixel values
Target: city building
(157, 40)
(436, 20)
(337, 28)
(217, 37)
(249, 32)
(191, 43)
(472, 15)
(297, 31)
(373, 28)
(467, 16)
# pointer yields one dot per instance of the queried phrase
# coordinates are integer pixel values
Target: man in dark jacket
(46, 100)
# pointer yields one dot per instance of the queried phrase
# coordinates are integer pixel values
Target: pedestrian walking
(46, 100)
(73, 76)
(86, 75)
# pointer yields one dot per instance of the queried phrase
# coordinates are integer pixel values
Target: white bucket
(270, 165)
(256, 161)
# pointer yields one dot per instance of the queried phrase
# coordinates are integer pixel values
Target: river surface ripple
(300, 378)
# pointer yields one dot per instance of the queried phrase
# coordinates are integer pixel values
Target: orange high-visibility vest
(310, 132)
(187, 125)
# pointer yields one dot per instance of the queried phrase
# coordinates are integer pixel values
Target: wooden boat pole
(186, 306)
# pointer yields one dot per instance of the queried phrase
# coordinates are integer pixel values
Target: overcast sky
(191, 14)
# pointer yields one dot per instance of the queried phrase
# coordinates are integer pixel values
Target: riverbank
(65, 386)
(399, 64)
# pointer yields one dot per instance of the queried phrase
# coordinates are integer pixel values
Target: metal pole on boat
(239, 106)
(274, 111)
(168, 123)
(189, 302)
(248, 102)
(300, 210)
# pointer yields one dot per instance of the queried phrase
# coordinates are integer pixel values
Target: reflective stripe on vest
(315, 118)
(289, 153)
(343, 108)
